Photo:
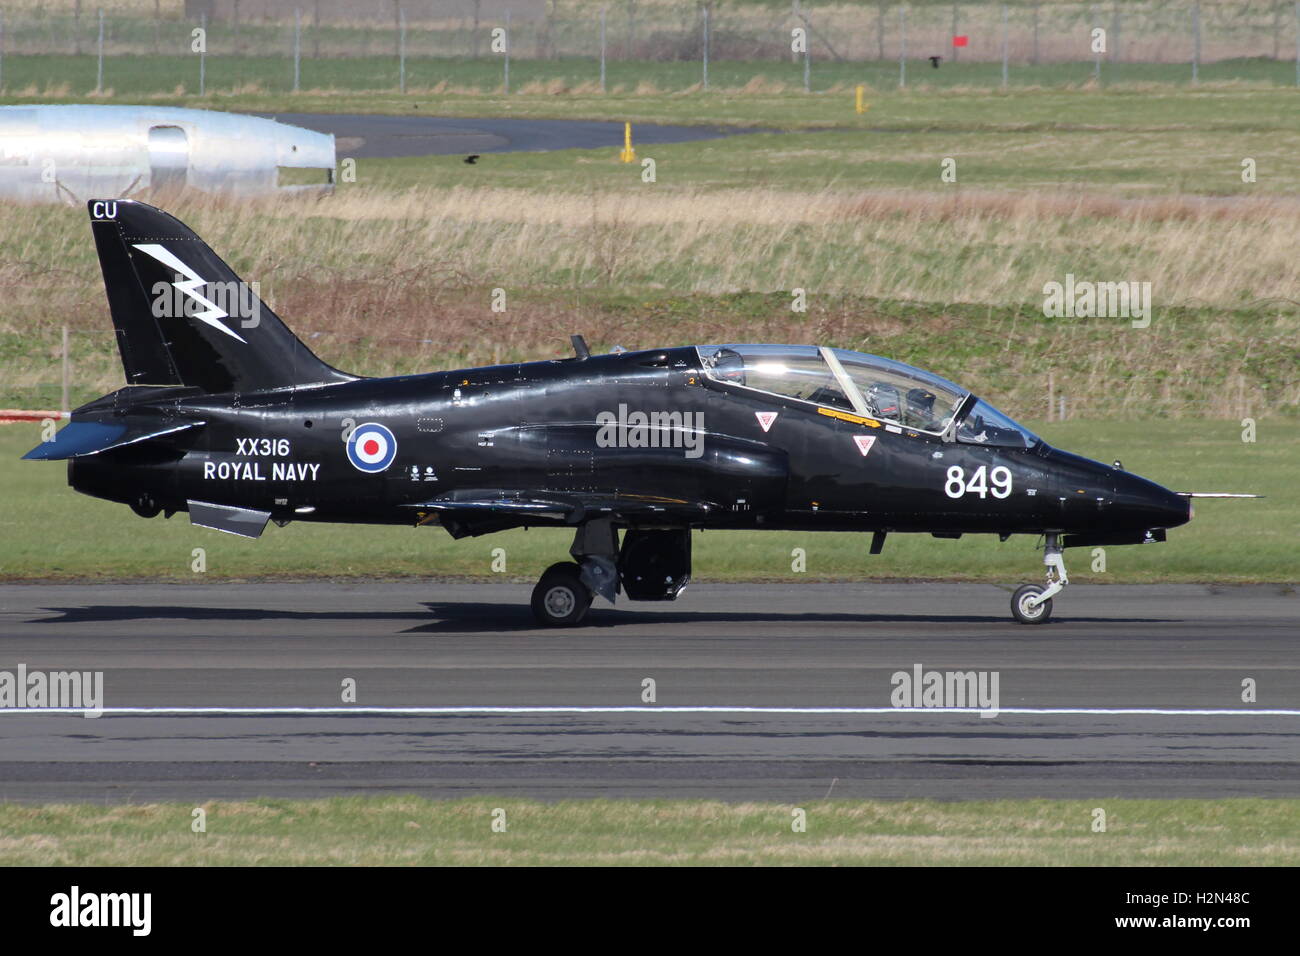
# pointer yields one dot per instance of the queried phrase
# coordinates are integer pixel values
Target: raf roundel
(372, 447)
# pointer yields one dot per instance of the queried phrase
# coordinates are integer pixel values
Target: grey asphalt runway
(365, 136)
(1171, 659)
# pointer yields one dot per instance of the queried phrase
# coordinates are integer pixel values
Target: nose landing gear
(1032, 604)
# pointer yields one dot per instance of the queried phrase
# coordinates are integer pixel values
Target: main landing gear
(560, 598)
(564, 594)
(1032, 604)
(649, 565)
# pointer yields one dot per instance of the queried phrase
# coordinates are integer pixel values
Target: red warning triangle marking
(864, 442)
(765, 419)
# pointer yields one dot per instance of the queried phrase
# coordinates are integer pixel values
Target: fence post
(1034, 57)
(602, 49)
(1004, 46)
(880, 32)
(1277, 28)
(1094, 19)
(63, 406)
(297, 47)
(99, 74)
(706, 46)
(902, 47)
(203, 54)
(1196, 41)
(807, 55)
(401, 50)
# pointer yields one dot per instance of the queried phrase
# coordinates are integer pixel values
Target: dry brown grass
(962, 246)
(959, 247)
(1079, 205)
(384, 281)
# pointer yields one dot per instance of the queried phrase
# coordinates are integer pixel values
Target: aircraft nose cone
(1148, 504)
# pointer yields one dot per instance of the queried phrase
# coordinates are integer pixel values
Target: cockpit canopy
(866, 385)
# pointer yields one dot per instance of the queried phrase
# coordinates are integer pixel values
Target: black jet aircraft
(226, 415)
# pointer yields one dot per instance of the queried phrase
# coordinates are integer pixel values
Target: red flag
(959, 40)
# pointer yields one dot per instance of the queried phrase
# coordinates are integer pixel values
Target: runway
(369, 136)
(761, 692)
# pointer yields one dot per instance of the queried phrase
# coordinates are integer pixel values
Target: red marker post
(959, 40)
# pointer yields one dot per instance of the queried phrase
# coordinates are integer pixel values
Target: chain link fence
(147, 46)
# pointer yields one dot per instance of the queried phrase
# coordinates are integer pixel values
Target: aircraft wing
(568, 507)
(92, 437)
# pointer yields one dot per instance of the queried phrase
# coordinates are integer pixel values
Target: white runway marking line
(487, 710)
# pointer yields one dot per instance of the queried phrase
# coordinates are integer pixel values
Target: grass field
(388, 284)
(1241, 96)
(58, 533)
(1231, 365)
(396, 271)
(150, 75)
(394, 274)
(408, 831)
(412, 831)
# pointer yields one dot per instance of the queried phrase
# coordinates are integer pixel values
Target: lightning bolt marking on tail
(193, 282)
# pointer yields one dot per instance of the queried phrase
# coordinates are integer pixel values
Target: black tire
(560, 598)
(1039, 615)
(145, 506)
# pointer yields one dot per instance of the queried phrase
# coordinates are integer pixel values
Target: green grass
(1233, 95)
(1104, 368)
(57, 533)
(146, 75)
(1129, 160)
(1134, 139)
(411, 831)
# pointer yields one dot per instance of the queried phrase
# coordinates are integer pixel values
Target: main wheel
(560, 598)
(145, 505)
(1020, 609)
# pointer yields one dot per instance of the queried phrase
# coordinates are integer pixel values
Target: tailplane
(182, 315)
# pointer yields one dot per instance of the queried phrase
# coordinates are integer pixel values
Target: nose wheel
(1028, 605)
(1032, 604)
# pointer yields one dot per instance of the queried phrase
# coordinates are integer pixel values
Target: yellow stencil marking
(848, 417)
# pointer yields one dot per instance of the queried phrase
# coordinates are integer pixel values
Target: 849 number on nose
(982, 482)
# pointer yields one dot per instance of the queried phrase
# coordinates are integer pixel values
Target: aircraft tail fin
(183, 317)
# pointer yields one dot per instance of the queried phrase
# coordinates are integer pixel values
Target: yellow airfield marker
(861, 106)
(628, 155)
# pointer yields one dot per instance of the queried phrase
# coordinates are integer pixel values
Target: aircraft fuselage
(632, 425)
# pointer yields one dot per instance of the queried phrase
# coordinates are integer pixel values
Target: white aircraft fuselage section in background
(67, 153)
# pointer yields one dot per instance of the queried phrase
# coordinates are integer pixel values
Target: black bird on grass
(471, 159)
